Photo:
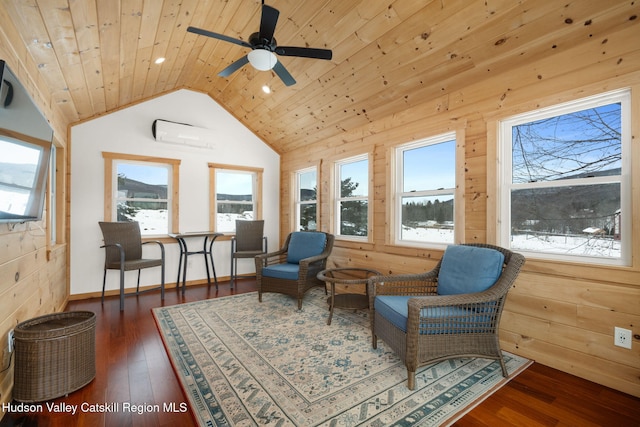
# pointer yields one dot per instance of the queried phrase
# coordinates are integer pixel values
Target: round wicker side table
(347, 276)
(55, 355)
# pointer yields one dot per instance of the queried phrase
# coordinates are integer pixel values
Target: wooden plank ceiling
(97, 56)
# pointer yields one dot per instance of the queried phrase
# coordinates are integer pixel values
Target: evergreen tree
(353, 213)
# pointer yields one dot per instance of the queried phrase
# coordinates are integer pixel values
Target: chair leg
(234, 271)
(162, 283)
(104, 282)
(411, 380)
(121, 289)
(138, 284)
(505, 373)
(231, 274)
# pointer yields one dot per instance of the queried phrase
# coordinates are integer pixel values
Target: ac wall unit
(182, 134)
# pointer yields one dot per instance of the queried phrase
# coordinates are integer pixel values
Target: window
(352, 201)
(566, 189)
(306, 199)
(425, 190)
(237, 195)
(142, 189)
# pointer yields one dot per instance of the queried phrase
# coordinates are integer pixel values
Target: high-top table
(209, 238)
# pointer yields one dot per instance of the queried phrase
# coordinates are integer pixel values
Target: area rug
(245, 363)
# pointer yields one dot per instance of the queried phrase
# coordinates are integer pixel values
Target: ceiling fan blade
(284, 75)
(234, 67)
(304, 52)
(218, 36)
(268, 22)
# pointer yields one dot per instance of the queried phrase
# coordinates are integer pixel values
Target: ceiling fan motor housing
(261, 43)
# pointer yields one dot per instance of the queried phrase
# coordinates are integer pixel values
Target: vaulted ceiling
(97, 56)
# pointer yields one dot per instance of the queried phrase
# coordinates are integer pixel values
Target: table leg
(332, 303)
(206, 261)
(182, 254)
(213, 266)
(184, 270)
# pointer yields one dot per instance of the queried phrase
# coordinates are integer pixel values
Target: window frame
(397, 177)
(298, 203)
(257, 190)
(338, 199)
(111, 189)
(52, 198)
(56, 218)
(505, 184)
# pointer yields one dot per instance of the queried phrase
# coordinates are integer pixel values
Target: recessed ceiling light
(159, 60)
(266, 89)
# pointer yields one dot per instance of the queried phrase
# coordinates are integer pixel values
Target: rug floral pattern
(245, 363)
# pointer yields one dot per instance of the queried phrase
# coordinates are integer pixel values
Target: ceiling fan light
(262, 59)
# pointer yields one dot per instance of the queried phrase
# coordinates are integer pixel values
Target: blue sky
(156, 175)
(236, 183)
(566, 144)
(430, 167)
(426, 168)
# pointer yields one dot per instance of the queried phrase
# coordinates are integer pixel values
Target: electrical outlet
(10, 340)
(622, 337)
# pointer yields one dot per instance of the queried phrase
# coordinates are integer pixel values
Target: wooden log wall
(33, 272)
(558, 313)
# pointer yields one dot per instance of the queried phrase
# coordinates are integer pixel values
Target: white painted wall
(129, 131)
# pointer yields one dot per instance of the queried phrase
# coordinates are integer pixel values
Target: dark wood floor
(132, 366)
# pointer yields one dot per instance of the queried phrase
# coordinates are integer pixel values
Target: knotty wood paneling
(33, 276)
(389, 57)
(560, 314)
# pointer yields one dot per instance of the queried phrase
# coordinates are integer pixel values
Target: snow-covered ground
(587, 245)
(155, 222)
(597, 246)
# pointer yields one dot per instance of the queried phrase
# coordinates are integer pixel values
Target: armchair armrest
(312, 265)
(118, 246)
(404, 284)
(453, 314)
(159, 243)
(271, 257)
(313, 259)
(422, 284)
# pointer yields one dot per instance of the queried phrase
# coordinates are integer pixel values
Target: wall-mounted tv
(25, 149)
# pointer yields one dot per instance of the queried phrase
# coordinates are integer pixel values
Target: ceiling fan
(264, 47)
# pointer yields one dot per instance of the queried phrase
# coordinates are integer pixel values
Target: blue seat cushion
(305, 244)
(468, 269)
(395, 309)
(286, 271)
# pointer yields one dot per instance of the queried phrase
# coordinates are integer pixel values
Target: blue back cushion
(305, 244)
(468, 269)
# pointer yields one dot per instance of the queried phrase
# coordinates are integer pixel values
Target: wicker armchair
(451, 311)
(292, 270)
(248, 242)
(123, 252)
